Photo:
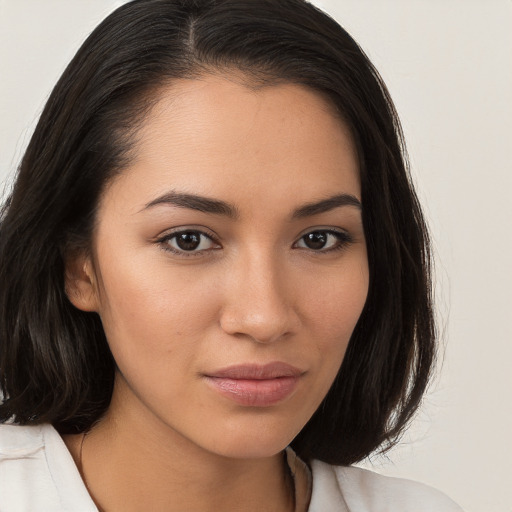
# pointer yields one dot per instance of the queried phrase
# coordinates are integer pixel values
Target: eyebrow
(195, 202)
(325, 205)
(217, 207)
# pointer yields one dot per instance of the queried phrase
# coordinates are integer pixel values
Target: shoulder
(23, 469)
(37, 472)
(352, 489)
(16, 441)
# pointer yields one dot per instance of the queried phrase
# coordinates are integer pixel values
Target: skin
(252, 292)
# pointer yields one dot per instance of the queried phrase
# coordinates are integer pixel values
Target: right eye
(189, 242)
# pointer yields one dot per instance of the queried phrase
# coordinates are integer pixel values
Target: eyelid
(167, 235)
(186, 227)
(344, 237)
(328, 229)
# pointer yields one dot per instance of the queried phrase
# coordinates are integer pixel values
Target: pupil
(188, 241)
(316, 240)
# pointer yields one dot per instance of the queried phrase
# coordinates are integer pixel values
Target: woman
(215, 272)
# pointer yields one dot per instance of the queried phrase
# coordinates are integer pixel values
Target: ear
(80, 282)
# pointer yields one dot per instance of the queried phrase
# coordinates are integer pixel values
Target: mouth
(255, 385)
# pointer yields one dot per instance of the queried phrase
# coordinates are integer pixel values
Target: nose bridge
(257, 303)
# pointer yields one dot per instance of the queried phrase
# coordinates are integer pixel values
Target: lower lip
(253, 392)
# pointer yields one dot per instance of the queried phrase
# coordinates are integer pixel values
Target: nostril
(257, 300)
(263, 326)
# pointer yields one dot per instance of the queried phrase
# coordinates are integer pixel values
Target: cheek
(336, 308)
(331, 314)
(340, 311)
(149, 311)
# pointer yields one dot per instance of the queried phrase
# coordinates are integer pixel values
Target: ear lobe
(80, 283)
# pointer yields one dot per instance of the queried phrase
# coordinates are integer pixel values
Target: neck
(129, 463)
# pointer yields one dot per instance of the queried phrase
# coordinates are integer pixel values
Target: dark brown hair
(55, 364)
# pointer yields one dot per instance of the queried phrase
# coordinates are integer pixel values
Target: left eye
(189, 241)
(323, 240)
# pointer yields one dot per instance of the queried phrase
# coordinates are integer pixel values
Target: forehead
(215, 135)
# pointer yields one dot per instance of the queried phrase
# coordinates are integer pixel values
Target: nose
(258, 301)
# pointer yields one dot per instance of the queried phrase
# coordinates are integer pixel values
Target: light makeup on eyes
(194, 242)
(324, 240)
(190, 241)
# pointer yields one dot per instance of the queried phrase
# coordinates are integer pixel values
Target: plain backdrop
(448, 66)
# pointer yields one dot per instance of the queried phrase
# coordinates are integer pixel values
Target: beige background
(447, 65)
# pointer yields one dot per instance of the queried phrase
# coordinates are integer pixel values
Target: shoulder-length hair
(55, 364)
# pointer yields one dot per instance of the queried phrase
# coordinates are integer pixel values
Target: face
(230, 264)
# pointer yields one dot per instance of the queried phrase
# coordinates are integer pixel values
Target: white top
(38, 474)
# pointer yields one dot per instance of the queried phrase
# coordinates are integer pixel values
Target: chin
(254, 441)
(250, 449)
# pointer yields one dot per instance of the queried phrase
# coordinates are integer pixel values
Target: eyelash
(164, 243)
(343, 240)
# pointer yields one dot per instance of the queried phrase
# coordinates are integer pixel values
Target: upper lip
(257, 371)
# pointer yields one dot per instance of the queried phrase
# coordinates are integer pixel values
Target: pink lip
(255, 385)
